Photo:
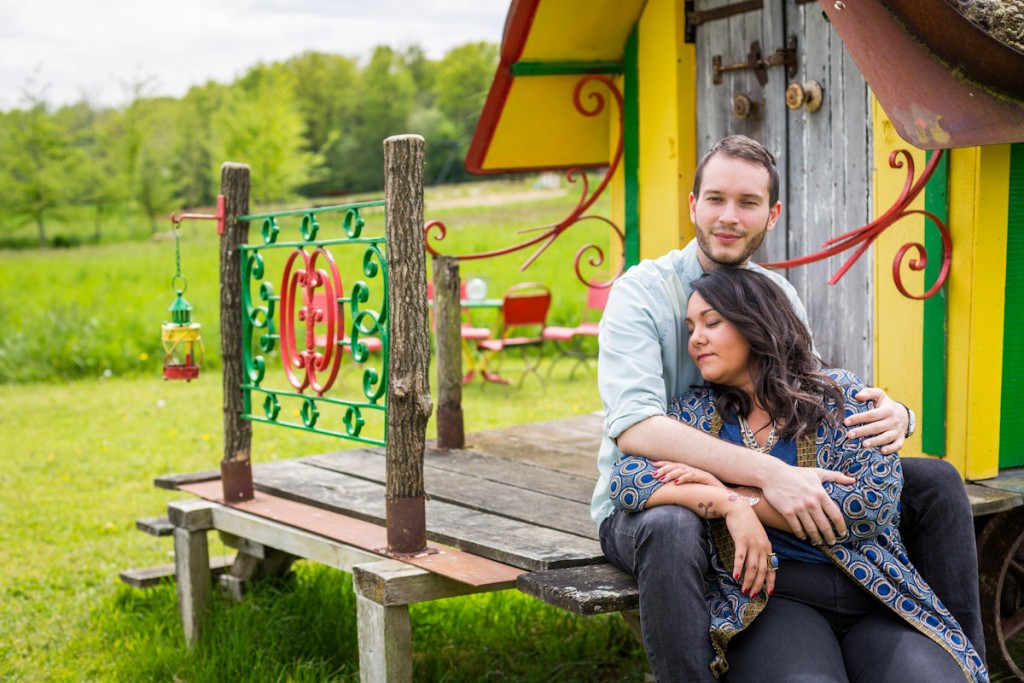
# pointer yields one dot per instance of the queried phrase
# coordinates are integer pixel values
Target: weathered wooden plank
(584, 590)
(155, 526)
(393, 582)
(341, 541)
(147, 577)
(585, 443)
(547, 455)
(173, 481)
(472, 491)
(986, 500)
(514, 473)
(503, 540)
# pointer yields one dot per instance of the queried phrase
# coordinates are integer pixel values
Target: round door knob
(743, 106)
(809, 95)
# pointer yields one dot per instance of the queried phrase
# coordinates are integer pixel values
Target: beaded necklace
(750, 441)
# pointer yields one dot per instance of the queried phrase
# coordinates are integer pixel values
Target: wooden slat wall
(824, 158)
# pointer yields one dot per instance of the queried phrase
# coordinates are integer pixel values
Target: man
(643, 361)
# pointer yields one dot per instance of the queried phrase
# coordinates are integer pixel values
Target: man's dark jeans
(666, 549)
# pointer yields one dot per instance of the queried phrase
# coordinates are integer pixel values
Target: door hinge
(783, 56)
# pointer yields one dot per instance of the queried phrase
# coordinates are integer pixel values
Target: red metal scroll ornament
(867, 234)
(317, 308)
(549, 233)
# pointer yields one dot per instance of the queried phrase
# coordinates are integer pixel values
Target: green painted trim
(631, 148)
(936, 319)
(1011, 426)
(565, 68)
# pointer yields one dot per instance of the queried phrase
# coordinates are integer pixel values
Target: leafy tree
(37, 163)
(326, 88)
(386, 98)
(463, 79)
(259, 124)
(193, 144)
(100, 180)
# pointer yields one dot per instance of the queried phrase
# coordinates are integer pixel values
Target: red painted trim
(517, 29)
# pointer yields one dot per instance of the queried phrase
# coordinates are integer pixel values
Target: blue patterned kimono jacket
(871, 553)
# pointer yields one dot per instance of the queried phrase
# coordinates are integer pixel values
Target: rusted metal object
(783, 56)
(407, 526)
(930, 102)
(237, 478)
(743, 106)
(961, 43)
(1001, 573)
(808, 95)
(440, 559)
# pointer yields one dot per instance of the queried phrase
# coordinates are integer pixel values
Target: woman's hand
(683, 474)
(752, 547)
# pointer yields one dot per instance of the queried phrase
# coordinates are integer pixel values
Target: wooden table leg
(191, 520)
(384, 591)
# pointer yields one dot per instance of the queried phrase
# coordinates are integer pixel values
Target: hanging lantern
(183, 347)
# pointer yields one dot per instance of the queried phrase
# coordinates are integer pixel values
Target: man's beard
(704, 242)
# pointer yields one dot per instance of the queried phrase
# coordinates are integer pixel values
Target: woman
(853, 611)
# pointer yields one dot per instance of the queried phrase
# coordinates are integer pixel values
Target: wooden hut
(675, 77)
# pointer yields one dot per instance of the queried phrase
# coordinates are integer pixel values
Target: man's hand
(886, 424)
(798, 495)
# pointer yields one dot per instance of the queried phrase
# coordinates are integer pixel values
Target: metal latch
(784, 56)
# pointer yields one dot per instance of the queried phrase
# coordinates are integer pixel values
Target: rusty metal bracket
(783, 56)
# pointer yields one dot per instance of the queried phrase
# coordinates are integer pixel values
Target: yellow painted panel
(581, 30)
(662, 201)
(990, 205)
(962, 178)
(688, 152)
(540, 126)
(617, 194)
(898, 320)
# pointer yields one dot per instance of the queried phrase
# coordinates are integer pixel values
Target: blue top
(784, 544)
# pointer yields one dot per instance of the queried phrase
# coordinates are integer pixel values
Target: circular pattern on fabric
(861, 572)
(630, 466)
(629, 498)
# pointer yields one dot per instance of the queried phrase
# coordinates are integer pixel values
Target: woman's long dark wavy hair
(787, 376)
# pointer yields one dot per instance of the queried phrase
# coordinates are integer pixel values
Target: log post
(235, 467)
(409, 404)
(448, 333)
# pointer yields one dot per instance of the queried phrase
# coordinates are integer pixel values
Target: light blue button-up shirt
(642, 359)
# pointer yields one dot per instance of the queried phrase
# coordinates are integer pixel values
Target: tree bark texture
(448, 334)
(409, 403)
(235, 466)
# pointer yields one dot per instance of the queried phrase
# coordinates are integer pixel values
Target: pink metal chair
(569, 340)
(524, 313)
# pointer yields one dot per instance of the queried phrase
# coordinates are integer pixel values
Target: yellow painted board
(541, 127)
(990, 207)
(581, 30)
(662, 201)
(898, 320)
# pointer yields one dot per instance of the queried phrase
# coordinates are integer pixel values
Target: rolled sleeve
(630, 364)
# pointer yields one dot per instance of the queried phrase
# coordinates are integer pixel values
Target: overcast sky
(98, 48)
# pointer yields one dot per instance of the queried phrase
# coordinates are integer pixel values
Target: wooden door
(824, 157)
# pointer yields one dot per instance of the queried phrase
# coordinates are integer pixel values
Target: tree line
(311, 126)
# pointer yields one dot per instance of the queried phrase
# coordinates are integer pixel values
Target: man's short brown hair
(742, 147)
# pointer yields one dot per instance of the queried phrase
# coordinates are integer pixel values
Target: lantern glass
(183, 350)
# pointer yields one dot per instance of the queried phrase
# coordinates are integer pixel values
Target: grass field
(88, 424)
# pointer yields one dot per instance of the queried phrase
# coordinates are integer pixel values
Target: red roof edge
(517, 30)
